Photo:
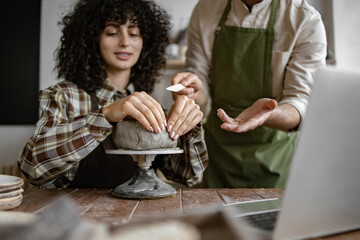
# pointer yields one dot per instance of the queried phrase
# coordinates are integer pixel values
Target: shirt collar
(110, 91)
(258, 7)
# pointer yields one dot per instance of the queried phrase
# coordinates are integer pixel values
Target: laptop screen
(322, 194)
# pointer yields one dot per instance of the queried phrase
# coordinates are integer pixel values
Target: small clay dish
(10, 203)
(12, 193)
(9, 181)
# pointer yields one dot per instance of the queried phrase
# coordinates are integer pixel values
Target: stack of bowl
(10, 191)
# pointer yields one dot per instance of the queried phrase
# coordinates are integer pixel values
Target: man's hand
(192, 84)
(251, 118)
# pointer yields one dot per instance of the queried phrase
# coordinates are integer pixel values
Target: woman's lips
(123, 55)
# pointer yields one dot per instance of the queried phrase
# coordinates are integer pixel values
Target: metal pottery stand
(144, 184)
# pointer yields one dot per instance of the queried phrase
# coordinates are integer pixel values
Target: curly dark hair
(78, 57)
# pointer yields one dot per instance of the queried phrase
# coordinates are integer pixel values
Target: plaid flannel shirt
(68, 131)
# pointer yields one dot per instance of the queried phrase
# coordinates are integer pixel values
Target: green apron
(240, 74)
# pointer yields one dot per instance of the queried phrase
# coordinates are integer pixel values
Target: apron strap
(94, 101)
(225, 14)
(274, 8)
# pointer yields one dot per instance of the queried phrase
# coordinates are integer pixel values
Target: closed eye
(112, 34)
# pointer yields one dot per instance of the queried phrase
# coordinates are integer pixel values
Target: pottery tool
(176, 88)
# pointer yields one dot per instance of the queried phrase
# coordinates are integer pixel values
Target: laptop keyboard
(265, 221)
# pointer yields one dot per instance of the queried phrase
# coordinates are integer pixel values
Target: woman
(110, 55)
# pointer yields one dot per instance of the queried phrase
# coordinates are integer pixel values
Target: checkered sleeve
(187, 168)
(66, 133)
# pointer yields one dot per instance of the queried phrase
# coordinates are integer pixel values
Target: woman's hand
(192, 83)
(140, 106)
(183, 116)
(251, 118)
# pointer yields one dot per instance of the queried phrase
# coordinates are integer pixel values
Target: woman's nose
(124, 39)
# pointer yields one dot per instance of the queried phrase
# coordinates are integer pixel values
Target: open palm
(251, 118)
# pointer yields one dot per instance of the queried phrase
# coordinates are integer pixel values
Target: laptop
(322, 193)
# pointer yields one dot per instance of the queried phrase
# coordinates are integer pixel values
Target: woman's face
(120, 46)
